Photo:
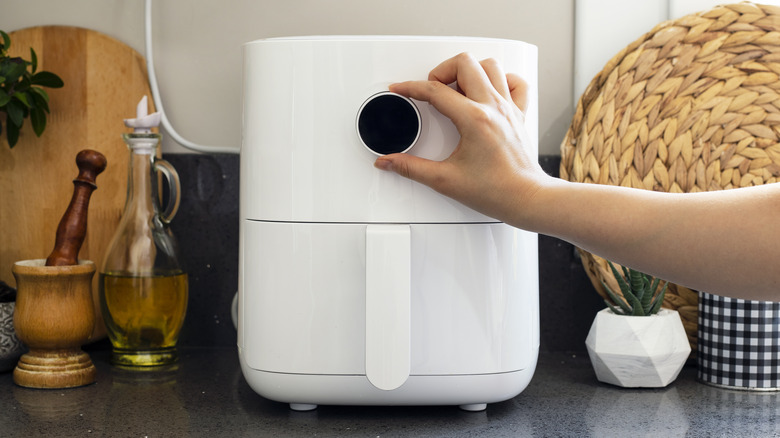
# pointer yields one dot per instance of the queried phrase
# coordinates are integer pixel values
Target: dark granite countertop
(206, 395)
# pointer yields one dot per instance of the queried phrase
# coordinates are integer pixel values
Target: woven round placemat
(692, 105)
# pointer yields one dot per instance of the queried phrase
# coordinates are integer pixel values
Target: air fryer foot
(476, 407)
(302, 407)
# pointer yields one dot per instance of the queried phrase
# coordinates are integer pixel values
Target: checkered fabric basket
(739, 343)
(693, 105)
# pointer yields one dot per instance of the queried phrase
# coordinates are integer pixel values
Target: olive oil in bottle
(144, 316)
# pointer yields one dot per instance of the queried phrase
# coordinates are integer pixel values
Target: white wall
(198, 57)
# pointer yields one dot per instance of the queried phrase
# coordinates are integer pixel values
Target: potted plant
(21, 94)
(634, 342)
(10, 345)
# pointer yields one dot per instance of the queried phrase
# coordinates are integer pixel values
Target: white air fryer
(358, 286)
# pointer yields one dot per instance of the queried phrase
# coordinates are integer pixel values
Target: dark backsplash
(207, 229)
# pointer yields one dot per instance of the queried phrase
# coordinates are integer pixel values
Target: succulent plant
(639, 297)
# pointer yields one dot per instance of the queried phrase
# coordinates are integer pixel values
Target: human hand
(490, 169)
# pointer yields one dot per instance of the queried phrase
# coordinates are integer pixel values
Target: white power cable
(158, 101)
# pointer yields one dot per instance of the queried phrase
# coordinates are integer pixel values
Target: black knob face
(388, 123)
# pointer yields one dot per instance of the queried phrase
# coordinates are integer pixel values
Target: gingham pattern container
(739, 343)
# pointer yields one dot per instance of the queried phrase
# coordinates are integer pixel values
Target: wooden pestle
(73, 225)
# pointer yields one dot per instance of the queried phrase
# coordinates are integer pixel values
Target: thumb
(415, 168)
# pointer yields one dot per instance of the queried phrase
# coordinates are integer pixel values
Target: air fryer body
(358, 286)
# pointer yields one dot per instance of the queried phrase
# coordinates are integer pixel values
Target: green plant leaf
(33, 61)
(621, 282)
(38, 120)
(647, 295)
(4, 99)
(40, 98)
(12, 134)
(13, 69)
(15, 113)
(637, 286)
(22, 97)
(636, 305)
(617, 300)
(47, 79)
(23, 84)
(616, 310)
(40, 92)
(659, 300)
(653, 288)
(6, 41)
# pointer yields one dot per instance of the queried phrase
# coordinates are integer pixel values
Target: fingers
(479, 81)
(415, 168)
(496, 76)
(518, 89)
(467, 72)
(445, 99)
(473, 77)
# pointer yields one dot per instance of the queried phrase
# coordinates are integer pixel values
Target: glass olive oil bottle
(143, 288)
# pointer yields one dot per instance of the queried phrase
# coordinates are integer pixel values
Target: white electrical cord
(158, 101)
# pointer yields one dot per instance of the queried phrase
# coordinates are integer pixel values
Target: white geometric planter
(637, 351)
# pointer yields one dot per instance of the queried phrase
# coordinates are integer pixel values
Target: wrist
(534, 204)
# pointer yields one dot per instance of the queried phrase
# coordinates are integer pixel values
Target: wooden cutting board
(104, 80)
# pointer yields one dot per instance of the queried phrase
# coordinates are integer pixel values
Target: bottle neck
(141, 178)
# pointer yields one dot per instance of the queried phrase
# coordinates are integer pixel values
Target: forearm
(718, 242)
